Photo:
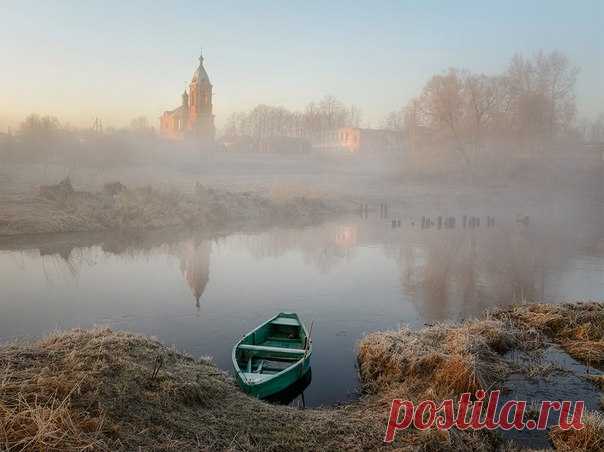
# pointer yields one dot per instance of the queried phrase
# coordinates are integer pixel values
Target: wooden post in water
(308, 341)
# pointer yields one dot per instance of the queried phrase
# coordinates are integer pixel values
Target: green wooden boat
(273, 356)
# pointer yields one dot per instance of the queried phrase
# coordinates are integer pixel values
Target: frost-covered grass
(60, 208)
(104, 390)
(578, 327)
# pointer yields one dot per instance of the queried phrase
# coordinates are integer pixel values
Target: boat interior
(271, 348)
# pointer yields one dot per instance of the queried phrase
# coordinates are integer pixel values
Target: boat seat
(290, 343)
(254, 378)
(284, 321)
(263, 348)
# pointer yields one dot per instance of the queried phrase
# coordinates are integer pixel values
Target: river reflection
(350, 276)
(195, 265)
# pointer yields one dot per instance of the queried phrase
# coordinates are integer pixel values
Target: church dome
(200, 75)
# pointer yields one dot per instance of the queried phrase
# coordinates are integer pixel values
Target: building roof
(175, 112)
(200, 75)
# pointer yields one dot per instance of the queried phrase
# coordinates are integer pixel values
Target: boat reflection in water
(293, 395)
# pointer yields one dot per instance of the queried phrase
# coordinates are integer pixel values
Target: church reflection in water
(195, 265)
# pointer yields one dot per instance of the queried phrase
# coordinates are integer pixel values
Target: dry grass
(445, 359)
(598, 380)
(100, 390)
(104, 390)
(37, 409)
(435, 363)
(590, 438)
(60, 208)
(590, 352)
(51, 424)
(578, 327)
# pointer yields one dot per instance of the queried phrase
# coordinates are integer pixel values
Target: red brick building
(193, 118)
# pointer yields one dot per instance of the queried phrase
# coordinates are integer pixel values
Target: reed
(589, 438)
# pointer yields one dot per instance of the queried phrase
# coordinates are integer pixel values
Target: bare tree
(442, 105)
(557, 79)
(39, 128)
(481, 97)
(541, 96)
(40, 136)
(530, 105)
(265, 121)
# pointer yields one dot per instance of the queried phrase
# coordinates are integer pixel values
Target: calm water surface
(350, 277)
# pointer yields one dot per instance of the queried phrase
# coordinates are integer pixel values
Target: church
(193, 119)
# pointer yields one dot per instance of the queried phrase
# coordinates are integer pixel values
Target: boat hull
(273, 356)
(275, 385)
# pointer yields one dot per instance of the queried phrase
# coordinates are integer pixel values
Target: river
(349, 276)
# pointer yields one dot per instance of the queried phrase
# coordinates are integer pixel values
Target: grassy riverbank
(107, 390)
(97, 389)
(61, 208)
(578, 327)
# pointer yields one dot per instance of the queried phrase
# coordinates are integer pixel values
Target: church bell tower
(201, 118)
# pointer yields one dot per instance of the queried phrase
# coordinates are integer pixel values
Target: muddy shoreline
(118, 391)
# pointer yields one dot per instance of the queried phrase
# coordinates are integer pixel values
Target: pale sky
(79, 60)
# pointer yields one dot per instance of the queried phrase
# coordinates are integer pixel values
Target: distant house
(357, 140)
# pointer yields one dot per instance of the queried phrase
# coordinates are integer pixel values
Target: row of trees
(47, 128)
(265, 121)
(44, 139)
(531, 104)
(41, 128)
